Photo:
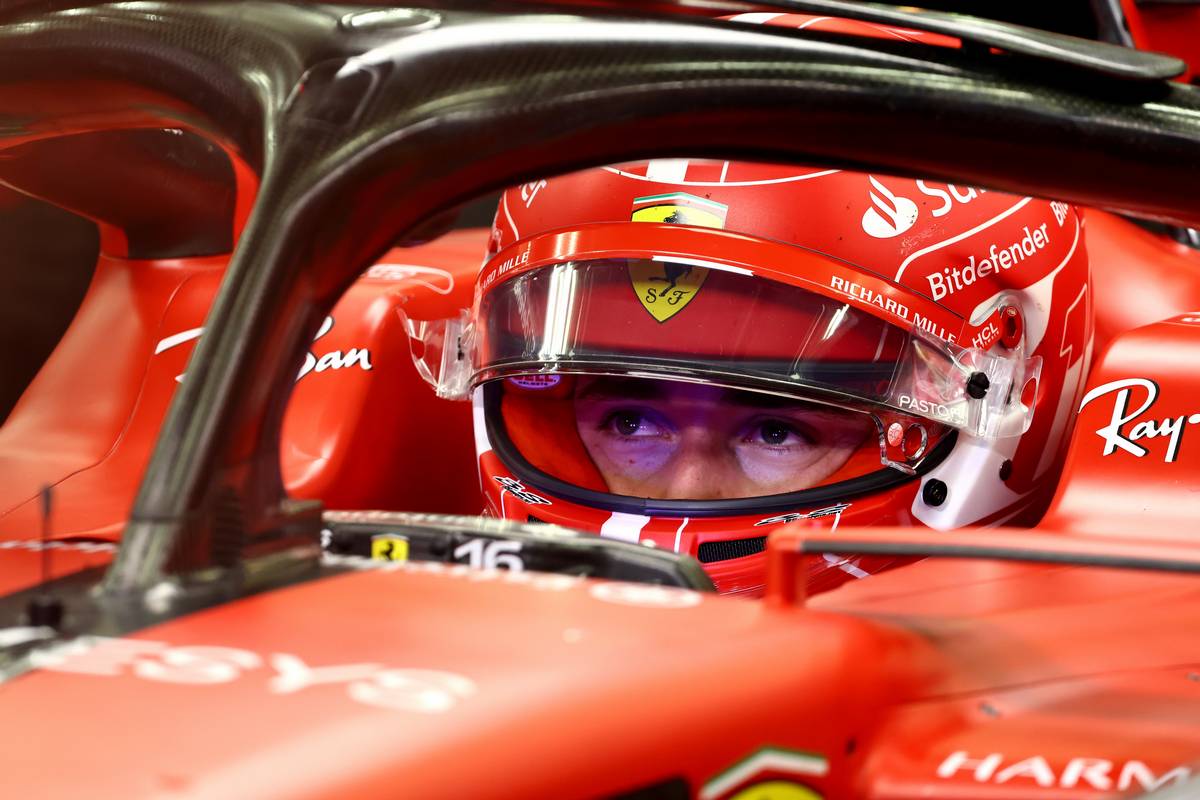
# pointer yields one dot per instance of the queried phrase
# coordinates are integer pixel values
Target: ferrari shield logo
(776, 790)
(679, 208)
(389, 547)
(664, 288)
(770, 774)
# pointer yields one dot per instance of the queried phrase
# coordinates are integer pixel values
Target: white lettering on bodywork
(423, 691)
(198, 665)
(292, 674)
(334, 359)
(1113, 434)
(1078, 773)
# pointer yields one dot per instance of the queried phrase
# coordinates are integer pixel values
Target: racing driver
(690, 353)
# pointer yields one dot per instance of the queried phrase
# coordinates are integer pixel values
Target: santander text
(963, 194)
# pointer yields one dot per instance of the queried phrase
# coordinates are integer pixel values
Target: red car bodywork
(951, 678)
(358, 413)
(350, 430)
(948, 678)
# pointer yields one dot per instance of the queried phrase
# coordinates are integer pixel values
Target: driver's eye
(626, 423)
(773, 432)
(776, 433)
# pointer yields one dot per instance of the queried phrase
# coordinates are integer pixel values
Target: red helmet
(851, 348)
(689, 353)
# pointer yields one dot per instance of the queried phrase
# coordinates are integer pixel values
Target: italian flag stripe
(793, 761)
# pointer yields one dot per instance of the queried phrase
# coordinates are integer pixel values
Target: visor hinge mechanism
(977, 385)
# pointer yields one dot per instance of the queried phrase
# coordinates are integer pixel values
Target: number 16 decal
(491, 554)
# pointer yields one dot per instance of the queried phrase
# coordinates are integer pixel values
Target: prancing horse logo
(672, 273)
(664, 288)
(682, 282)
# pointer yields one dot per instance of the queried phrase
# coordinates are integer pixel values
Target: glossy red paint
(24, 565)
(897, 685)
(937, 680)
(714, 679)
(1049, 664)
(87, 423)
(350, 432)
(1165, 281)
(1134, 452)
(948, 678)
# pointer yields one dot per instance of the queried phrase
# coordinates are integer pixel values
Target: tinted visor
(726, 327)
(677, 318)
